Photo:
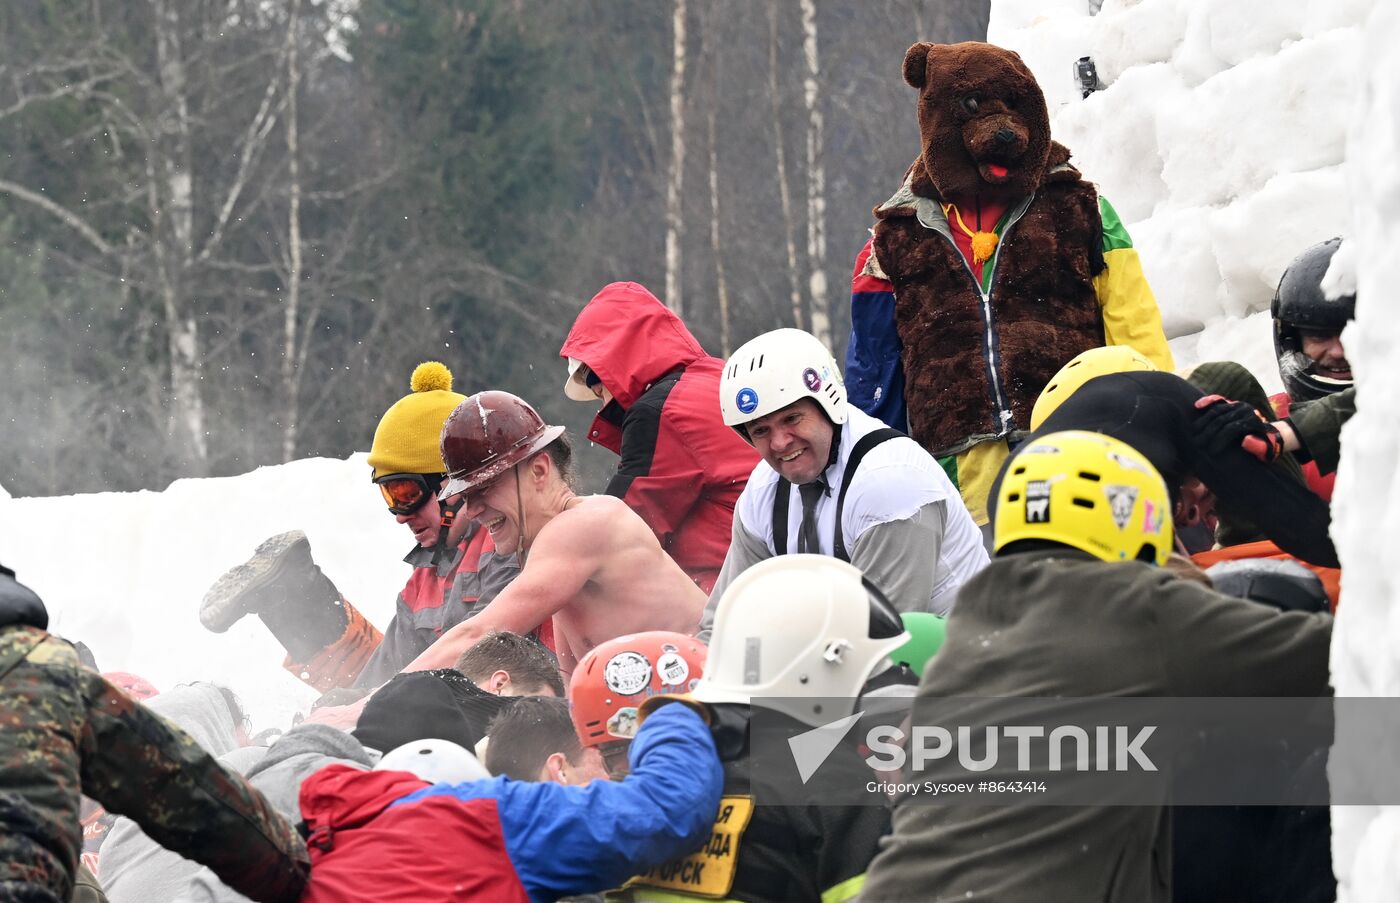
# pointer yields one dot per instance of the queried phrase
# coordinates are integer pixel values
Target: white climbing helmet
(434, 761)
(774, 370)
(800, 634)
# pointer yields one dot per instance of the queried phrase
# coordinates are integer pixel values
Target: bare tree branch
(258, 129)
(77, 223)
(341, 194)
(80, 90)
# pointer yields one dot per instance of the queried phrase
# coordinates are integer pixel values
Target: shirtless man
(587, 561)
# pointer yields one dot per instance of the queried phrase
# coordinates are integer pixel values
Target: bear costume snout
(983, 123)
(996, 144)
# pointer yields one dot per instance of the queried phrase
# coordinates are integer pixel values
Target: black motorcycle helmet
(1300, 306)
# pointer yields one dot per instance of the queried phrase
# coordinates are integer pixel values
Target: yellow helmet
(1089, 491)
(1083, 367)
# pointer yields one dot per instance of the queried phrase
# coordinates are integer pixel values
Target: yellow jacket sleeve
(1130, 313)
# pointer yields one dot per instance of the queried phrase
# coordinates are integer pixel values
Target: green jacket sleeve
(86, 889)
(1319, 426)
(1130, 313)
(1215, 645)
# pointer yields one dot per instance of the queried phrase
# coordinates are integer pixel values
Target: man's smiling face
(795, 440)
(1325, 350)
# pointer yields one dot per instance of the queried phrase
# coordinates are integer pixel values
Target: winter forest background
(230, 228)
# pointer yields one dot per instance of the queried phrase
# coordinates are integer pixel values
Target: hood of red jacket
(630, 340)
(339, 797)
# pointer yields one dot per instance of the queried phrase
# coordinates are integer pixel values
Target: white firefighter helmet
(434, 761)
(775, 369)
(799, 634)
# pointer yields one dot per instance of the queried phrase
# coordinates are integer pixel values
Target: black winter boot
(282, 585)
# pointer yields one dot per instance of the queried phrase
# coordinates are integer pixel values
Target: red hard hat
(488, 434)
(618, 676)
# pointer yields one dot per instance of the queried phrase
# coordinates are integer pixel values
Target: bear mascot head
(983, 123)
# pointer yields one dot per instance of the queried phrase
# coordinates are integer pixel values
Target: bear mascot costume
(993, 265)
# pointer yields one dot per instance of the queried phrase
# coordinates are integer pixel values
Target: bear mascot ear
(916, 64)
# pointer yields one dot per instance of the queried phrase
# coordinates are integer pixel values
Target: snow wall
(1219, 137)
(1230, 136)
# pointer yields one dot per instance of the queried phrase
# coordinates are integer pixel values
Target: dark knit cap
(427, 704)
(19, 604)
(1233, 381)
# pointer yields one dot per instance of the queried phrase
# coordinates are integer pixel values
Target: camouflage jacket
(66, 729)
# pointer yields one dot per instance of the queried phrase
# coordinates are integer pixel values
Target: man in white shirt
(835, 481)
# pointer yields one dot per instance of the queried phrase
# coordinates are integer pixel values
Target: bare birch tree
(675, 224)
(292, 308)
(816, 179)
(171, 193)
(710, 51)
(780, 151)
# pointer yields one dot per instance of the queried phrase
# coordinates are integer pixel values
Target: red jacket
(360, 856)
(682, 469)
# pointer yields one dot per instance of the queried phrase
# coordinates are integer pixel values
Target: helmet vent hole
(1084, 503)
(760, 361)
(1147, 554)
(1085, 475)
(1018, 471)
(1014, 497)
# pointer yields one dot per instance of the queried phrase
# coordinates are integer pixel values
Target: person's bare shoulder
(587, 520)
(594, 508)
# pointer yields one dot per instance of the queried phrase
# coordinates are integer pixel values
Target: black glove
(1224, 424)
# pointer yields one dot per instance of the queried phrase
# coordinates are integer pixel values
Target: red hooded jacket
(682, 469)
(359, 855)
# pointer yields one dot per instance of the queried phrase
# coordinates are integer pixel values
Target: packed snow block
(1194, 60)
(1239, 31)
(1259, 235)
(1009, 16)
(1049, 47)
(1127, 35)
(1247, 341)
(1320, 17)
(1366, 506)
(1114, 136)
(1230, 135)
(1179, 260)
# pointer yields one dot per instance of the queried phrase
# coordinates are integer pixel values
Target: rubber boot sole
(236, 593)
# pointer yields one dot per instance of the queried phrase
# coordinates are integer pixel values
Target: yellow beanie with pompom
(408, 435)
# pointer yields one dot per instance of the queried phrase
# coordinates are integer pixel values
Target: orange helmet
(618, 676)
